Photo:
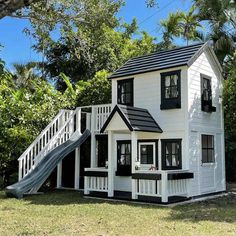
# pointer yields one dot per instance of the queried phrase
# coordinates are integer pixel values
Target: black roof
(136, 119)
(158, 60)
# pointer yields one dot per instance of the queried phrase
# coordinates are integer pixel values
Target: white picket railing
(57, 132)
(178, 187)
(28, 158)
(162, 187)
(96, 183)
(146, 187)
(100, 114)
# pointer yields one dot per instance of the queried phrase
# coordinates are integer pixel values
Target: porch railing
(162, 184)
(95, 180)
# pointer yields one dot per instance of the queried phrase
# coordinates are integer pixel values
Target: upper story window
(206, 94)
(170, 90)
(171, 154)
(208, 152)
(125, 92)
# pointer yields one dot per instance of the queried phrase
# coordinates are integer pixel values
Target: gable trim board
(166, 59)
(136, 119)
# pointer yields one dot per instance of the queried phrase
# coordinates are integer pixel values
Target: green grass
(68, 213)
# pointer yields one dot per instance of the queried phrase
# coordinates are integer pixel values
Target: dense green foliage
(230, 123)
(24, 112)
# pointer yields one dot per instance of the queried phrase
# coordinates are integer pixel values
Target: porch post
(77, 168)
(164, 186)
(59, 174)
(134, 140)
(93, 139)
(110, 165)
(77, 151)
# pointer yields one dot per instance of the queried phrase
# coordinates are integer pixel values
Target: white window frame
(154, 154)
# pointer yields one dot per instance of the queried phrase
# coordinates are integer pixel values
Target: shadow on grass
(222, 209)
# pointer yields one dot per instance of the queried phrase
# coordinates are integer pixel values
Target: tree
(24, 112)
(180, 24)
(189, 25)
(229, 100)
(221, 16)
(171, 29)
(10, 6)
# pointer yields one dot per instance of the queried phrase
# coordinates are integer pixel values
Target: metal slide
(34, 180)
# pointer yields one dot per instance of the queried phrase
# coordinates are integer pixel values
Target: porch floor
(121, 195)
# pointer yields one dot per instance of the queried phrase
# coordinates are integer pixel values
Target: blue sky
(17, 46)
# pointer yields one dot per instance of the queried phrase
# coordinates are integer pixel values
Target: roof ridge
(167, 50)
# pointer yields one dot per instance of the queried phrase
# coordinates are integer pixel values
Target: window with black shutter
(170, 90)
(206, 97)
(125, 92)
(171, 154)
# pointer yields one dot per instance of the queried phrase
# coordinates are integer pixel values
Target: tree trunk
(7, 7)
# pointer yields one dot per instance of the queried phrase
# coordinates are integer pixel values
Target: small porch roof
(136, 119)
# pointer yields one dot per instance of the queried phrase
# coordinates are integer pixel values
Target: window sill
(209, 109)
(208, 164)
(170, 106)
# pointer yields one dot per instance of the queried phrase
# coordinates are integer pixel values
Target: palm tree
(25, 73)
(189, 25)
(221, 16)
(170, 29)
(180, 24)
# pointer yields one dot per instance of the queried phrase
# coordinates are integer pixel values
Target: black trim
(137, 119)
(116, 109)
(170, 103)
(150, 141)
(163, 153)
(176, 176)
(96, 173)
(206, 105)
(146, 176)
(121, 82)
(123, 170)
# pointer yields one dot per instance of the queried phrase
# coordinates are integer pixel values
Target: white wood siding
(207, 177)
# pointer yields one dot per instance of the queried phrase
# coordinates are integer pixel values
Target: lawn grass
(68, 213)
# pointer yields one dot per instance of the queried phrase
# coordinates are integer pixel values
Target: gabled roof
(159, 60)
(136, 119)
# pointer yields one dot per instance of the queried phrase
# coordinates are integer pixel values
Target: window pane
(122, 98)
(174, 92)
(143, 149)
(204, 141)
(128, 87)
(210, 141)
(128, 160)
(168, 160)
(204, 155)
(167, 81)
(210, 155)
(128, 98)
(123, 88)
(144, 159)
(167, 92)
(174, 161)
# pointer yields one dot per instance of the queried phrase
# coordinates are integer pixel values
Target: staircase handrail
(42, 133)
(57, 135)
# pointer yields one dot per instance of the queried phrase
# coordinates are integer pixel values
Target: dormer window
(125, 92)
(170, 90)
(206, 97)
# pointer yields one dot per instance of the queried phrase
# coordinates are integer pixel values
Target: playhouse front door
(123, 158)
